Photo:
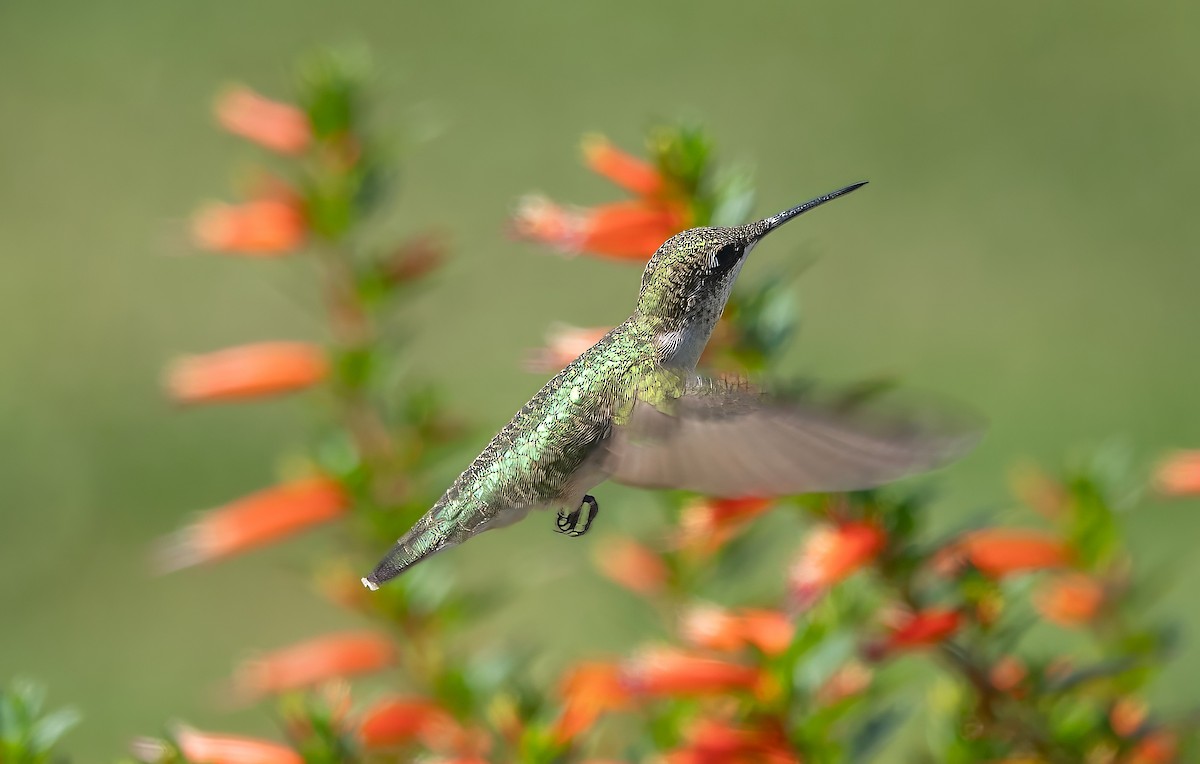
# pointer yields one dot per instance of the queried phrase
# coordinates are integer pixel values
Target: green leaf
(26, 735)
(329, 205)
(733, 198)
(373, 183)
(682, 153)
(429, 588)
(1093, 531)
(330, 81)
(354, 367)
(873, 733)
(453, 690)
(820, 662)
(50, 728)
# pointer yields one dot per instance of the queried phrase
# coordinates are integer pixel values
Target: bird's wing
(725, 438)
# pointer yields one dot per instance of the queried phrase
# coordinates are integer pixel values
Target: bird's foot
(568, 522)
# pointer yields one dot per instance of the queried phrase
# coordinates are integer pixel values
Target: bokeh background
(1029, 244)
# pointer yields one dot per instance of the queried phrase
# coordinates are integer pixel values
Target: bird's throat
(681, 346)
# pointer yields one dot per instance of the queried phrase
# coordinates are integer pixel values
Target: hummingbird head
(687, 282)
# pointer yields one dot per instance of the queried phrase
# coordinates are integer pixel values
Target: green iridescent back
(533, 459)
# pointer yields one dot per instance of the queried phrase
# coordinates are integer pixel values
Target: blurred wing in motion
(725, 438)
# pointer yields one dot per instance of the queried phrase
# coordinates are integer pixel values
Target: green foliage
(765, 315)
(684, 154)
(29, 734)
(330, 90)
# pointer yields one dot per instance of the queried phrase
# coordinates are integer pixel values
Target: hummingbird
(632, 409)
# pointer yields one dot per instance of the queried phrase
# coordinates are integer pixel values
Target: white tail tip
(370, 584)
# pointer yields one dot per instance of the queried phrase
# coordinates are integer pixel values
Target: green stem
(354, 333)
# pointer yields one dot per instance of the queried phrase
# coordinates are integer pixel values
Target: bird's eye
(727, 256)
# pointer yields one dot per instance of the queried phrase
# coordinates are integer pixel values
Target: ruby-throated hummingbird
(632, 409)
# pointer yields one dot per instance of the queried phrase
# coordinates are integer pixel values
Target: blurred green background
(1028, 244)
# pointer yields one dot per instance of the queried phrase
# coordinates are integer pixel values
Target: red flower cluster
(273, 223)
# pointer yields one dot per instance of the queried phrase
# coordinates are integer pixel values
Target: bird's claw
(567, 523)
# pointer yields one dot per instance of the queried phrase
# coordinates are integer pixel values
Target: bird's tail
(430, 535)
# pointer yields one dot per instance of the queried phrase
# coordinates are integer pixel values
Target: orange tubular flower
(398, 721)
(564, 343)
(706, 525)
(1071, 599)
(630, 230)
(246, 371)
(230, 749)
(277, 126)
(770, 631)
(253, 521)
(831, 554)
(1179, 474)
(312, 662)
(711, 627)
(589, 690)
(669, 673)
(999, 552)
(632, 565)
(1127, 716)
(621, 230)
(629, 172)
(267, 227)
(1008, 674)
(921, 629)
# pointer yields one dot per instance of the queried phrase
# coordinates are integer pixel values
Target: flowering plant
(1027, 643)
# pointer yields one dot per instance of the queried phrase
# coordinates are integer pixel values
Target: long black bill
(765, 226)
